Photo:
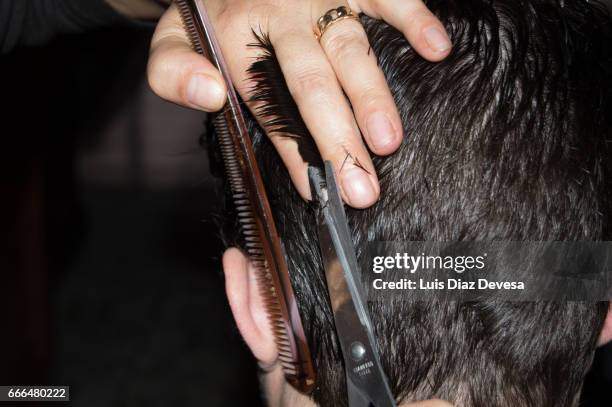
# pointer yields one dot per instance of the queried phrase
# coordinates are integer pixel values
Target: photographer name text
(422, 263)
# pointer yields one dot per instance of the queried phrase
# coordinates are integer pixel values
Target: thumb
(179, 74)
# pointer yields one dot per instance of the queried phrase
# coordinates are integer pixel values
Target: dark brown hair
(506, 139)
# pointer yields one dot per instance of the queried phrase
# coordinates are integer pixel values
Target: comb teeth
(254, 215)
(250, 230)
(189, 26)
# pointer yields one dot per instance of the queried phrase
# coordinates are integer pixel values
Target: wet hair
(506, 139)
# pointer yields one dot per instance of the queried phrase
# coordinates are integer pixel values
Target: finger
(422, 29)
(179, 74)
(326, 113)
(297, 167)
(346, 45)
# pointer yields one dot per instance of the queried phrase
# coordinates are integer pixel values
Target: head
(507, 139)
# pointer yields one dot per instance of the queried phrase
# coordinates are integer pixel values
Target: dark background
(109, 257)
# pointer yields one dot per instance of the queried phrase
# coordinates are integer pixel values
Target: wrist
(140, 9)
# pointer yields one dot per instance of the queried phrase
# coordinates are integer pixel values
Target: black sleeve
(32, 22)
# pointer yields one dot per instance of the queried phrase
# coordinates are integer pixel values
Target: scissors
(366, 383)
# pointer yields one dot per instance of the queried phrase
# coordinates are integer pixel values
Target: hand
(318, 76)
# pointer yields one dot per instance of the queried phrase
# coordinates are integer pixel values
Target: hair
(506, 139)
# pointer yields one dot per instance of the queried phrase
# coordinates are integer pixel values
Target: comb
(262, 242)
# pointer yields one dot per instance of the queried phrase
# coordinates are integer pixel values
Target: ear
(248, 307)
(606, 332)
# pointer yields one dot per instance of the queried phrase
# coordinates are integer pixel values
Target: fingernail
(437, 39)
(205, 92)
(358, 187)
(380, 130)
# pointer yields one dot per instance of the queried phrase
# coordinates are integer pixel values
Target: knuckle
(372, 98)
(341, 146)
(418, 19)
(226, 16)
(312, 83)
(231, 14)
(224, 22)
(345, 42)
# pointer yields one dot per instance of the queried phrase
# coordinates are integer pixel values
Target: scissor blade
(366, 382)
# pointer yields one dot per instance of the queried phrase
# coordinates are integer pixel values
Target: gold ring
(332, 16)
